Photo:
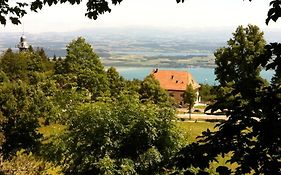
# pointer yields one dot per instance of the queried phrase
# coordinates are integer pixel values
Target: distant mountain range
(122, 44)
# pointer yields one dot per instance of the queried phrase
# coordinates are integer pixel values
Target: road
(202, 117)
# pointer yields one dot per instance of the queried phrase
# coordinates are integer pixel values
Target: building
(175, 82)
(23, 45)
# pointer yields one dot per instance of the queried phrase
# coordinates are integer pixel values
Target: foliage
(252, 132)
(2, 134)
(271, 60)
(28, 66)
(20, 107)
(119, 137)
(82, 69)
(115, 81)
(207, 92)
(150, 91)
(23, 163)
(236, 70)
(25, 96)
(236, 61)
(189, 97)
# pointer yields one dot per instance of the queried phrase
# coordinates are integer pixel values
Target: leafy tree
(14, 65)
(3, 77)
(80, 55)
(123, 137)
(151, 91)
(236, 69)
(207, 93)
(59, 66)
(252, 132)
(133, 85)
(271, 60)
(28, 66)
(20, 108)
(189, 98)
(236, 61)
(116, 82)
(82, 69)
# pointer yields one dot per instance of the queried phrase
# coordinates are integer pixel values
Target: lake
(200, 74)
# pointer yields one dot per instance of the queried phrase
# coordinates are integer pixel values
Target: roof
(174, 80)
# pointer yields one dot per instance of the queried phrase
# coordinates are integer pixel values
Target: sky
(193, 14)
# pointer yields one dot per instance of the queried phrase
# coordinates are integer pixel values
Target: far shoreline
(203, 75)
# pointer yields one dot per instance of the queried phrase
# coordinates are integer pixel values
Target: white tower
(23, 45)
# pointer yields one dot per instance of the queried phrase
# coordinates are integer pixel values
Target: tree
(15, 11)
(80, 56)
(252, 132)
(116, 82)
(207, 92)
(82, 69)
(14, 65)
(189, 98)
(236, 69)
(20, 109)
(150, 91)
(28, 66)
(120, 137)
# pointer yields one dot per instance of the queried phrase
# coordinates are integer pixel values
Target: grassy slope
(194, 130)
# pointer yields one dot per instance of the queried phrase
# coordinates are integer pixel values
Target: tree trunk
(189, 112)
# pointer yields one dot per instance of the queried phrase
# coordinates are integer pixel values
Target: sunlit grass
(194, 129)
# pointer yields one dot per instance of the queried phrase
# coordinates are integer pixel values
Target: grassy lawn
(200, 107)
(193, 129)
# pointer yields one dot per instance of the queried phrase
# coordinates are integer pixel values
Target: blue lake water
(200, 74)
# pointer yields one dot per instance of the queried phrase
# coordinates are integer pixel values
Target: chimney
(172, 77)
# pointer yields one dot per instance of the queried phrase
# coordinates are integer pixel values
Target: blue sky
(193, 14)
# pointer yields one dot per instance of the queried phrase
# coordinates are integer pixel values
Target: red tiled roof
(174, 80)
